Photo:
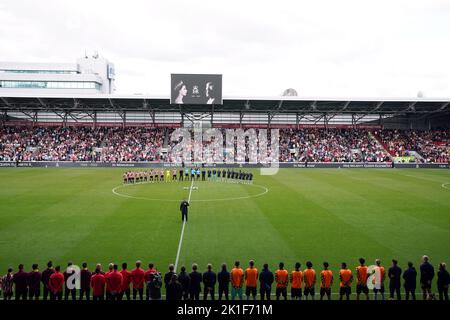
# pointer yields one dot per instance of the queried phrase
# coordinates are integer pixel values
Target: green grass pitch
(332, 215)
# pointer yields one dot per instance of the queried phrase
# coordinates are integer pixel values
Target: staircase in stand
(166, 138)
(382, 145)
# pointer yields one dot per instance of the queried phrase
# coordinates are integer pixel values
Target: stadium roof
(89, 102)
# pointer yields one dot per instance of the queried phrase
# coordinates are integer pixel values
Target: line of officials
(118, 285)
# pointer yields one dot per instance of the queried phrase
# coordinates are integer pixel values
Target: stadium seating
(332, 145)
(432, 146)
(107, 144)
(80, 144)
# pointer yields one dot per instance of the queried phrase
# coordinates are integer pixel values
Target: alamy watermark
(73, 281)
(198, 145)
(374, 280)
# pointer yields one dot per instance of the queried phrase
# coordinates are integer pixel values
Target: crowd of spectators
(330, 145)
(433, 146)
(80, 144)
(105, 144)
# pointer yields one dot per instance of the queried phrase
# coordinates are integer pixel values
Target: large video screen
(196, 89)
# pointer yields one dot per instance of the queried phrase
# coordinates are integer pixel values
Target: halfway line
(182, 230)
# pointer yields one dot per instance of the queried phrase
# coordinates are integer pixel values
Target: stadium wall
(413, 122)
(70, 164)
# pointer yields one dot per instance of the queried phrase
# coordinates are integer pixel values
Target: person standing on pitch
(85, 282)
(265, 282)
(282, 280)
(194, 286)
(443, 281)
(426, 277)
(410, 278)
(223, 277)
(45, 278)
(394, 275)
(20, 280)
(184, 210)
(185, 281)
(209, 281)
(181, 175)
(34, 283)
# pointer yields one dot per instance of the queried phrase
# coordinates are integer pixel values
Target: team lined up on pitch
(187, 174)
(116, 285)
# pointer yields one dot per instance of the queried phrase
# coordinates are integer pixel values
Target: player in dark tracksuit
(67, 274)
(181, 174)
(168, 276)
(185, 281)
(20, 280)
(45, 278)
(266, 279)
(209, 282)
(426, 277)
(194, 286)
(443, 281)
(85, 282)
(410, 278)
(394, 275)
(184, 210)
(223, 277)
(34, 283)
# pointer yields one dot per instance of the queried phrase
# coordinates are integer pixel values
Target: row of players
(185, 174)
(187, 286)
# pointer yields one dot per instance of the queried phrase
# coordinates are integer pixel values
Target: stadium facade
(89, 75)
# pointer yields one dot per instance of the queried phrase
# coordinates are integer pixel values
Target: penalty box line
(182, 229)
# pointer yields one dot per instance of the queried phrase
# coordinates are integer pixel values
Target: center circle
(198, 186)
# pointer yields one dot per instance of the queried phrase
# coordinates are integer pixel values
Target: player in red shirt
(151, 269)
(137, 279)
(99, 267)
(98, 282)
(55, 284)
(149, 276)
(114, 283)
(107, 274)
(126, 275)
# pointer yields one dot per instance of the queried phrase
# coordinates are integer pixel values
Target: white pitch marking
(238, 198)
(182, 230)
(445, 185)
(266, 190)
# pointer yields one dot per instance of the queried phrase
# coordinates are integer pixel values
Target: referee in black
(184, 210)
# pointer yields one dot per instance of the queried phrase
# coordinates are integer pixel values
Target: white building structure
(89, 75)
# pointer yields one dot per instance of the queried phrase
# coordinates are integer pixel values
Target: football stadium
(199, 194)
(77, 187)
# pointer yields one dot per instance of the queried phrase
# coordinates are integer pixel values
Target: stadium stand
(80, 144)
(432, 146)
(106, 144)
(332, 145)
